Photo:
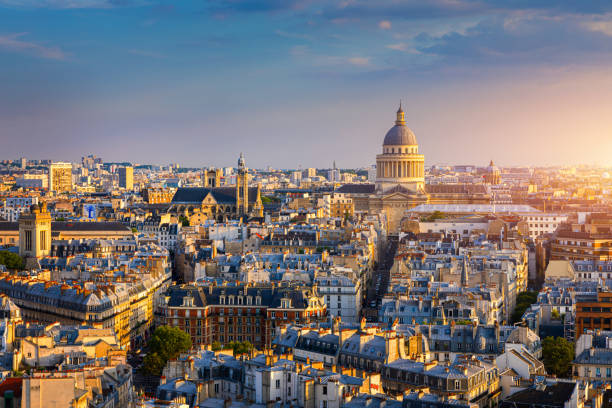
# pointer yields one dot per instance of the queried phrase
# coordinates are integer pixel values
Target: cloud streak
(14, 43)
(359, 61)
(70, 4)
(384, 24)
(531, 40)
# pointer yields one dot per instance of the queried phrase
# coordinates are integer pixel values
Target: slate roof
(597, 356)
(9, 226)
(314, 342)
(357, 189)
(288, 339)
(554, 395)
(270, 297)
(59, 226)
(373, 348)
(373, 401)
(177, 293)
(452, 372)
(455, 189)
(223, 195)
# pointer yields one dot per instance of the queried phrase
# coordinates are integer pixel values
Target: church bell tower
(242, 188)
(35, 234)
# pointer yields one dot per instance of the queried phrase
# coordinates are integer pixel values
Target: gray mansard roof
(223, 195)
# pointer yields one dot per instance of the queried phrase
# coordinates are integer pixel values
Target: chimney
(497, 331)
(335, 325)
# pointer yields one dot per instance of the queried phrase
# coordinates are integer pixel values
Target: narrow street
(377, 287)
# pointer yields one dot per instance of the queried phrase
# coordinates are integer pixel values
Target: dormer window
(258, 300)
(239, 300)
(231, 300)
(222, 300)
(249, 300)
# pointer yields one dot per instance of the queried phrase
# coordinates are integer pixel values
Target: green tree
(347, 216)
(153, 364)
(523, 301)
(11, 260)
(464, 322)
(557, 354)
(216, 346)
(436, 215)
(555, 315)
(184, 220)
(238, 347)
(166, 343)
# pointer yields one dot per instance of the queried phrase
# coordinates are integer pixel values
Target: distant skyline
(305, 82)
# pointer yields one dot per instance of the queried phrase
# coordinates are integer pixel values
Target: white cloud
(12, 42)
(604, 27)
(359, 61)
(397, 47)
(385, 24)
(69, 4)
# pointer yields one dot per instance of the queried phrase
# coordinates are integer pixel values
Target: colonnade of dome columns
(399, 169)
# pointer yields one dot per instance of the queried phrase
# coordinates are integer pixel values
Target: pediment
(209, 199)
(398, 196)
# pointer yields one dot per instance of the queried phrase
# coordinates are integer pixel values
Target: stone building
(60, 177)
(240, 313)
(492, 175)
(221, 203)
(400, 180)
(35, 234)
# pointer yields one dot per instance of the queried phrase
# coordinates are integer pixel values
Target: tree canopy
(184, 220)
(240, 347)
(11, 260)
(269, 199)
(167, 343)
(557, 355)
(523, 301)
(436, 215)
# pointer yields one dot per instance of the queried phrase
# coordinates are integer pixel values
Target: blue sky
(305, 82)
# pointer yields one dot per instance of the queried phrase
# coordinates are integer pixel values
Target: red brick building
(240, 313)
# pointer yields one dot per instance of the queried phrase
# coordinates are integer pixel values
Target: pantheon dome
(400, 163)
(400, 134)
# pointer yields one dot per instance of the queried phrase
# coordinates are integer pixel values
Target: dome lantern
(401, 119)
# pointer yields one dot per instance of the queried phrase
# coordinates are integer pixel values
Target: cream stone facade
(400, 181)
(400, 163)
(35, 234)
